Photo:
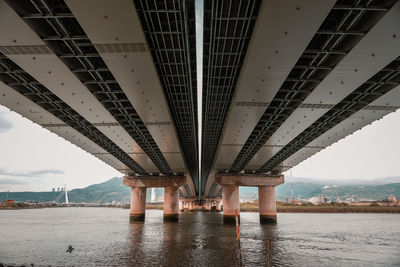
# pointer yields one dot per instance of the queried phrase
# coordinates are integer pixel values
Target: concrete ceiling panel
(134, 70)
(283, 30)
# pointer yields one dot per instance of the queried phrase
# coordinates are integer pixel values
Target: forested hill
(114, 190)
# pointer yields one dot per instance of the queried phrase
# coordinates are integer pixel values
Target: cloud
(10, 182)
(38, 173)
(5, 124)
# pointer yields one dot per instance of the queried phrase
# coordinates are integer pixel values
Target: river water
(104, 237)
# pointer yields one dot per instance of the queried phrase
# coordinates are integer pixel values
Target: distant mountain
(108, 191)
(114, 190)
(303, 190)
(357, 192)
(377, 181)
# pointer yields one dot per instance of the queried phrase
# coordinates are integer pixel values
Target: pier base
(181, 205)
(266, 188)
(171, 204)
(138, 204)
(208, 205)
(230, 198)
(191, 205)
(139, 185)
(267, 204)
(218, 207)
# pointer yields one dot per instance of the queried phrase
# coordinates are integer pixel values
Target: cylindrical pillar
(230, 199)
(218, 207)
(266, 197)
(191, 205)
(171, 205)
(138, 204)
(181, 205)
(208, 205)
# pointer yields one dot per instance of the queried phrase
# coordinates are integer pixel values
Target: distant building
(391, 198)
(321, 198)
(313, 200)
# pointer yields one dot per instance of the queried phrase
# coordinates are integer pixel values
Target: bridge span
(281, 81)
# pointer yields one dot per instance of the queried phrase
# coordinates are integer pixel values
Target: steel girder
(381, 83)
(342, 29)
(228, 26)
(170, 30)
(27, 86)
(66, 38)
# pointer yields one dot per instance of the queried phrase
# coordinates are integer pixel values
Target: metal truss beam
(227, 31)
(175, 62)
(339, 33)
(381, 83)
(27, 86)
(66, 38)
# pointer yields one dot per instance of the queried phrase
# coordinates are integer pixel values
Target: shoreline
(328, 209)
(279, 209)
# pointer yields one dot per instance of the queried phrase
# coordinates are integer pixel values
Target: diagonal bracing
(228, 26)
(343, 28)
(58, 28)
(17, 79)
(381, 83)
(170, 32)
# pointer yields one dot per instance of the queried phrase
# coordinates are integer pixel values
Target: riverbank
(250, 207)
(19, 208)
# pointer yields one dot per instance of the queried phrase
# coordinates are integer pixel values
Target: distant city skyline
(34, 159)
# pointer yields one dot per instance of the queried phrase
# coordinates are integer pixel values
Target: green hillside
(108, 191)
(114, 190)
(302, 190)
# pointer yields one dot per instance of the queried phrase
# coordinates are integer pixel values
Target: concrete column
(181, 205)
(267, 202)
(218, 205)
(230, 199)
(138, 204)
(171, 203)
(208, 205)
(191, 205)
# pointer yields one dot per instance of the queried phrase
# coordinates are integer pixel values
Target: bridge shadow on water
(199, 239)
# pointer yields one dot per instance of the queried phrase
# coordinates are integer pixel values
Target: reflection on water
(103, 236)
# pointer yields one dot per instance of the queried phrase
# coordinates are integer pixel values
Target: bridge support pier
(171, 203)
(230, 198)
(138, 204)
(191, 205)
(266, 188)
(181, 205)
(218, 207)
(267, 204)
(208, 205)
(139, 185)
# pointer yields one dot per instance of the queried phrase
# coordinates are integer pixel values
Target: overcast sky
(372, 152)
(33, 158)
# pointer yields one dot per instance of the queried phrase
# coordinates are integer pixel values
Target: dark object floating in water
(70, 249)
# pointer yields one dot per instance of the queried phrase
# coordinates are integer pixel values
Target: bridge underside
(282, 80)
(313, 72)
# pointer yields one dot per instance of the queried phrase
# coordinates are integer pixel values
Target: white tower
(153, 195)
(66, 194)
(291, 189)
